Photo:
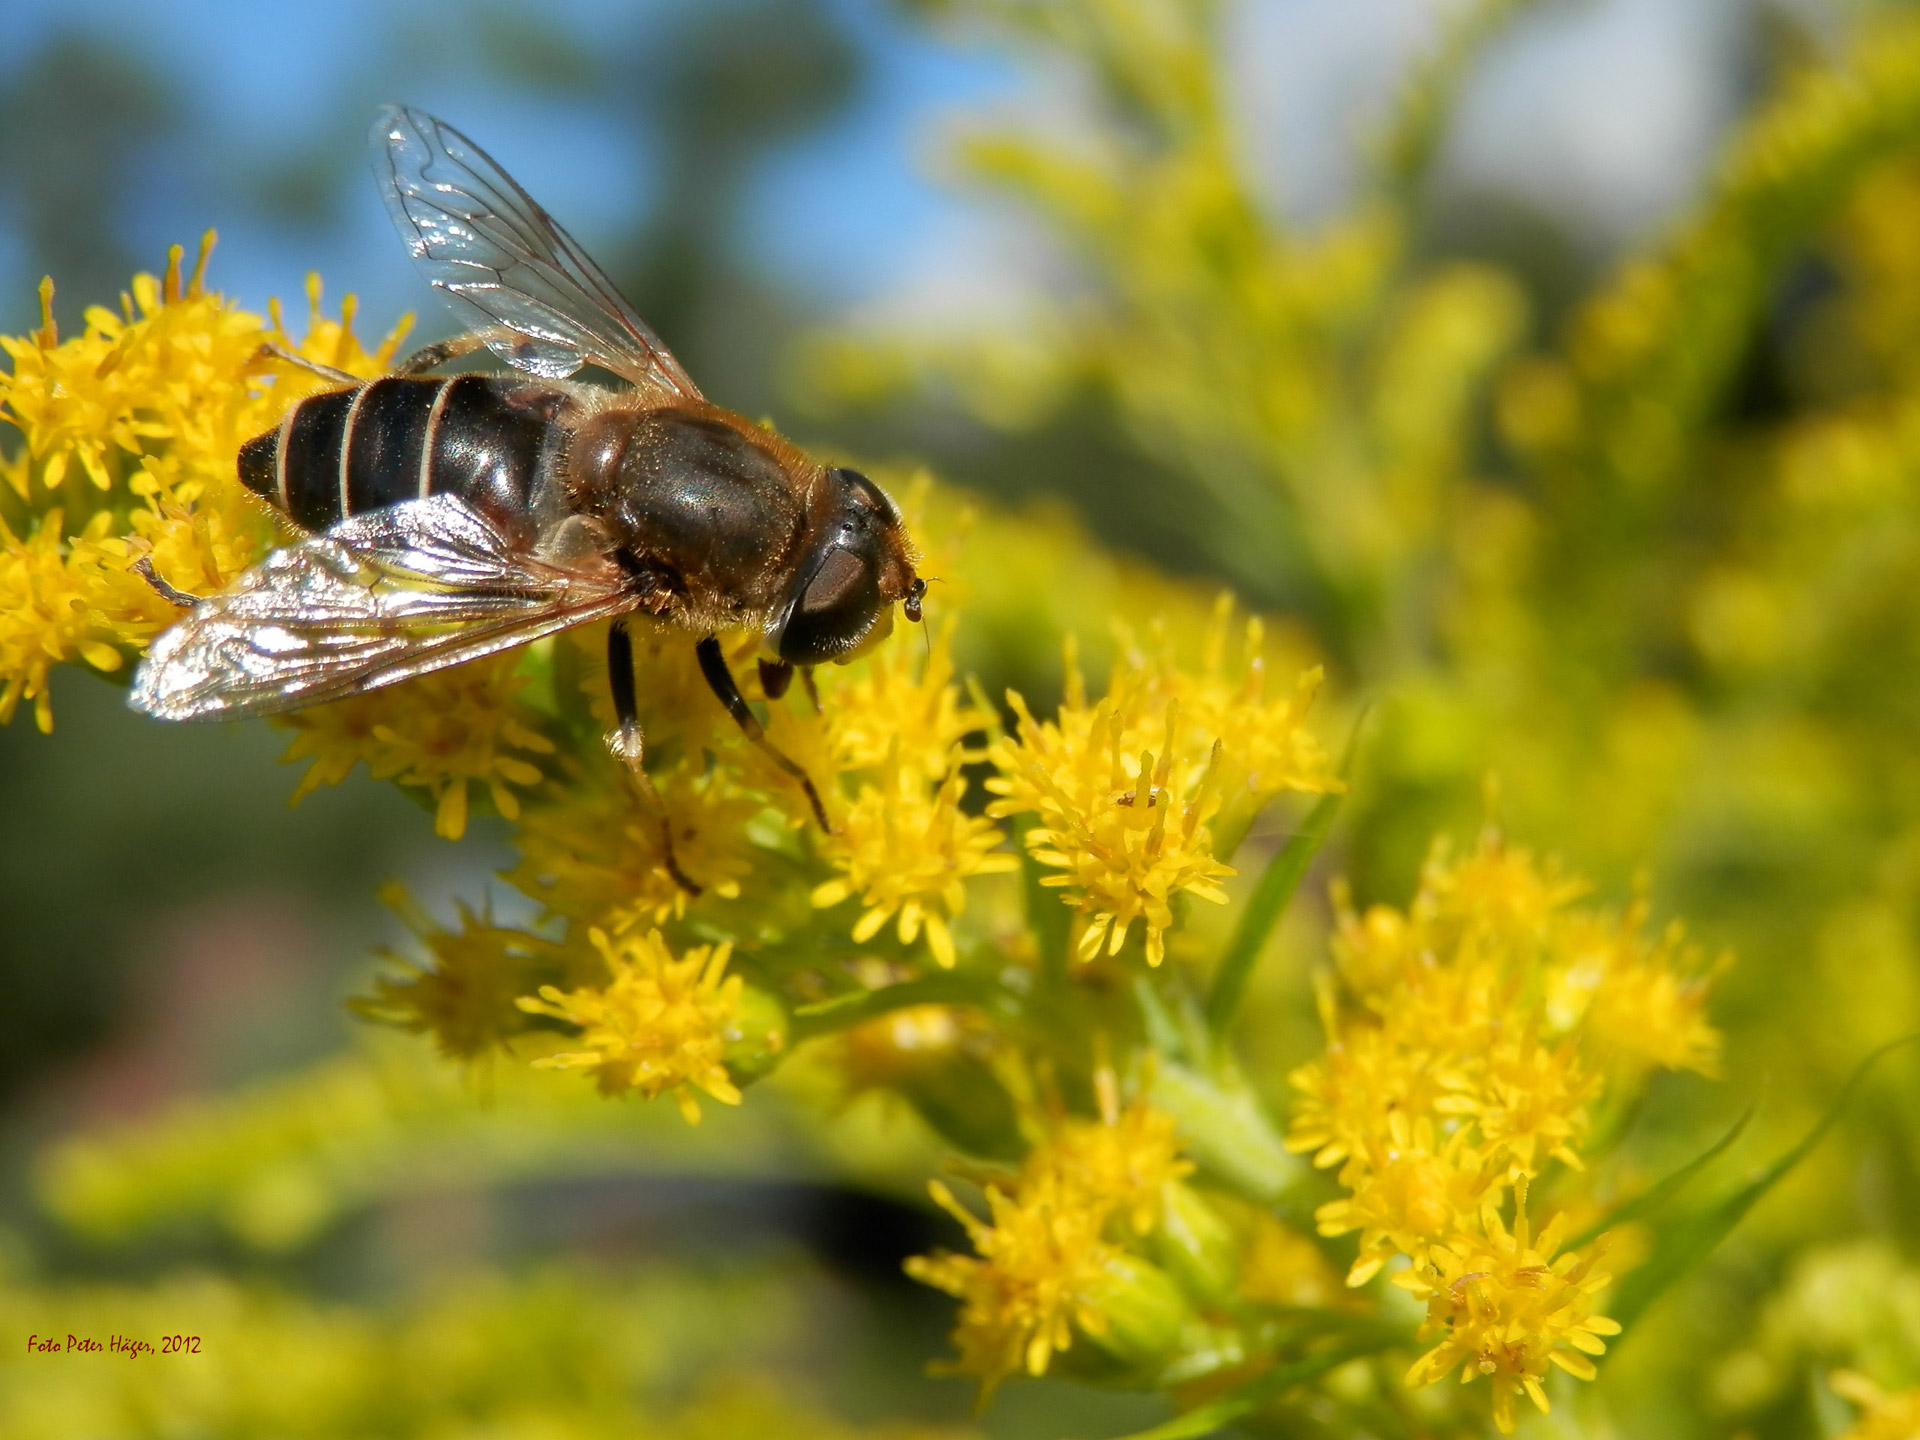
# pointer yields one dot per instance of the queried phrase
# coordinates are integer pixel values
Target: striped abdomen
(490, 439)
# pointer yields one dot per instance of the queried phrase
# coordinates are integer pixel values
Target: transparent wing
(484, 242)
(380, 597)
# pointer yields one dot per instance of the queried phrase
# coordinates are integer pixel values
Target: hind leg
(631, 741)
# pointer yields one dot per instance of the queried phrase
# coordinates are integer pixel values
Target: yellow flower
(467, 997)
(1882, 1416)
(657, 1024)
(908, 849)
(1283, 1267)
(1264, 742)
(130, 430)
(594, 853)
(1408, 1193)
(1128, 835)
(1348, 1095)
(441, 731)
(1508, 1309)
(1523, 1096)
(895, 705)
(1040, 1269)
(1648, 1011)
(1122, 1160)
(44, 618)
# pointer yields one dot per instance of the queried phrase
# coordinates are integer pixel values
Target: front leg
(429, 356)
(631, 742)
(713, 664)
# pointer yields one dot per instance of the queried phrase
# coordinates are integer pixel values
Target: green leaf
(1265, 906)
(1218, 1414)
(1049, 920)
(1270, 898)
(1692, 1239)
(1657, 1195)
(946, 987)
(1226, 1129)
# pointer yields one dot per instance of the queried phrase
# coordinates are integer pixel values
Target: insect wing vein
(378, 598)
(487, 244)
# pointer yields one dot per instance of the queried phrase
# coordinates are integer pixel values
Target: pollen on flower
(1508, 1307)
(657, 1023)
(443, 731)
(907, 849)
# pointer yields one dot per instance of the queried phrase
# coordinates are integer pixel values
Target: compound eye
(835, 611)
(865, 493)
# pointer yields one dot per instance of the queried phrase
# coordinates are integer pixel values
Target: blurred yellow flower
(657, 1023)
(1882, 1416)
(1038, 1275)
(592, 852)
(1122, 1160)
(466, 995)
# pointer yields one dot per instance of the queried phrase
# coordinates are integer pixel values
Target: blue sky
(1603, 109)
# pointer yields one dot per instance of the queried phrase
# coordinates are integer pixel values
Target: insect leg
(143, 567)
(326, 372)
(775, 676)
(813, 690)
(632, 740)
(441, 351)
(713, 664)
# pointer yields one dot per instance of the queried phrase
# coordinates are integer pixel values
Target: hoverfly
(449, 517)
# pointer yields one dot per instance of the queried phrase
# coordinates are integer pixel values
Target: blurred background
(774, 183)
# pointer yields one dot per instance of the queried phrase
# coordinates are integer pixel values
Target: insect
(449, 517)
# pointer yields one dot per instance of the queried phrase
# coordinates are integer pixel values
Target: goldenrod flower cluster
(130, 429)
(658, 1024)
(1053, 1253)
(1468, 1038)
(1121, 1231)
(1130, 791)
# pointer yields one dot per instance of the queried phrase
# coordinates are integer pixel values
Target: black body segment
(489, 439)
(309, 460)
(388, 437)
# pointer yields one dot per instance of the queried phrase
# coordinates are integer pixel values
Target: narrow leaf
(1662, 1191)
(1691, 1240)
(1264, 908)
(1049, 920)
(1218, 1414)
(947, 987)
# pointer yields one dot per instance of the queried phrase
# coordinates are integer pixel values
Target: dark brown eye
(835, 610)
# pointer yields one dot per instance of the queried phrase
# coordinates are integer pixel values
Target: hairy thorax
(707, 505)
